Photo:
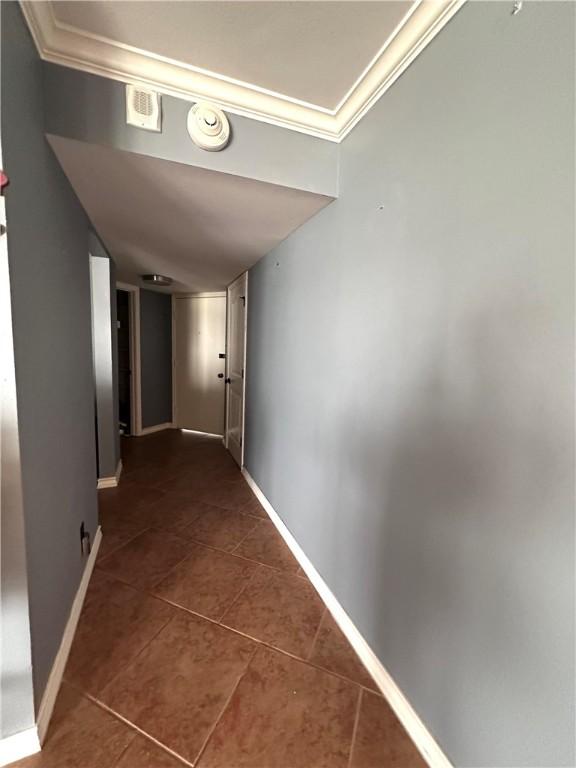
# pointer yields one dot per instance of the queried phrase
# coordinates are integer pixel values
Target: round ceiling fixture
(208, 126)
(157, 279)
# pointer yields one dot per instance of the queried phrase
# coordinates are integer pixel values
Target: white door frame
(228, 323)
(174, 409)
(135, 379)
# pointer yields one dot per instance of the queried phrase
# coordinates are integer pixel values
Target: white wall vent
(143, 108)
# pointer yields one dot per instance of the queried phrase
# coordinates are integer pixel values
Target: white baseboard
(422, 738)
(19, 745)
(110, 482)
(57, 671)
(155, 428)
(202, 434)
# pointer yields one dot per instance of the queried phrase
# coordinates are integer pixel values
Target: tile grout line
(311, 651)
(136, 728)
(126, 748)
(124, 543)
(226, 627)
(195, 491)
(232, 553)
(170, 570)
(219, 622)
(269, 646)
(180, 535)
(144, 591)
(238, 596)
(212, 546)
(355, 727)
(127, 666)
(223, 710)
(250, 532)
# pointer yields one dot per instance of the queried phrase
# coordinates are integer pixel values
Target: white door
(235, 365)
(199, 348)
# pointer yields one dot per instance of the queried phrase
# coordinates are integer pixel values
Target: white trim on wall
(243, 276)
(173, 356)
(156, 428)
(57, 671)
(227, 373)
(201, 295)
(136, 378)
(19, 745)
(200, 434)
(246, 300)
(110, 482)
(72, 47)
(420, 735)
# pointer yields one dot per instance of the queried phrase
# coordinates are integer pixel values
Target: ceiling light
(156, 279)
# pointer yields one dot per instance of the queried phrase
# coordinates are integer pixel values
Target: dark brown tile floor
(201, 641)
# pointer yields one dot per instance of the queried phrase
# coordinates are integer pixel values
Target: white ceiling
(311, 66)
(200, 227)
(309, 51)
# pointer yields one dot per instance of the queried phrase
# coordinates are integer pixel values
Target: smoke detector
(156, 280)
(208, 126)
(143, 108)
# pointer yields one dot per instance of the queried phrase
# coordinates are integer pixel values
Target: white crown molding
(71, 47)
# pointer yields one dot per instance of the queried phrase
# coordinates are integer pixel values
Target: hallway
(201, 637)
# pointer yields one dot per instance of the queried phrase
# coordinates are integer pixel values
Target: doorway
(128, 334)
(236, 366)
(199, 362)
(124, 363)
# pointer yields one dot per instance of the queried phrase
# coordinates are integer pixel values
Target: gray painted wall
(50, 289)
(105, 354)
(156, 357)
(410, 384)
(90, 108)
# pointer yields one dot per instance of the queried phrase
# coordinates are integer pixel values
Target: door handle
(220, 375)
(228, 381)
